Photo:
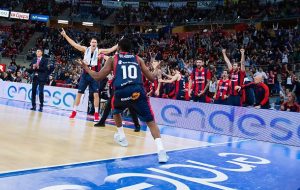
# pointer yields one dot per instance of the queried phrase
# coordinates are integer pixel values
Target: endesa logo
(51, 97)
(273, 126)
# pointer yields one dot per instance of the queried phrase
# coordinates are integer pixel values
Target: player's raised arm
(242, 59)
(71, 42)
(229, 65)
(173, 79)
(109, 50)
(107, 68)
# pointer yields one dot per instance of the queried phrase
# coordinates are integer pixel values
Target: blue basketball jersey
(127, 71)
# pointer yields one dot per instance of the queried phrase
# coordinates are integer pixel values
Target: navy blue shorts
(87, 80)
(133, 96)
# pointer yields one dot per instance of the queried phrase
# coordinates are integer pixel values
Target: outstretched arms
(109, 50)
(71, 42)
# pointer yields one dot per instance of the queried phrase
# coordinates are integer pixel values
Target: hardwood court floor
(31, 139)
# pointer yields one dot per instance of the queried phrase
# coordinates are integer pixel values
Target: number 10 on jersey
(129, 71)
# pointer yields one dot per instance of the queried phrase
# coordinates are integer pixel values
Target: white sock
(96, 109)
(159, 144)
(75, 108)
(121, 132)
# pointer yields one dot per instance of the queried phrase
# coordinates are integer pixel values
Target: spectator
(291, 104)
(12, 67)
(212, 86)
(69, 78)
(51, 81)
(262, 73)
(296, 88)
(289, 83)
(6, 76)
(271, 82)
(283, 94)
(18, 77)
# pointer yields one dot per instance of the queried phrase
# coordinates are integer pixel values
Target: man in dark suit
(39, 66)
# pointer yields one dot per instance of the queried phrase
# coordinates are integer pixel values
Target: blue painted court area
(235, 165)
(229, 163)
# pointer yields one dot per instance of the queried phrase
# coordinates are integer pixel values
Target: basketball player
(237, 75)
(201, 77)
(91, 58)
(129, 92)
(107, 109)
(223, 89)
(179, 84)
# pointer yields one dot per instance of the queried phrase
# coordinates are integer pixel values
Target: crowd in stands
(230, 12)
(9, 4)
(273, 53)
(15, 73)
(52, 7)
(14, 37)
(91, 12)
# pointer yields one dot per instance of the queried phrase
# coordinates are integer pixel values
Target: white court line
(116, 158)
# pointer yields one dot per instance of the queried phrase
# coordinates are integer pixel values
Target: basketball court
(47, 151)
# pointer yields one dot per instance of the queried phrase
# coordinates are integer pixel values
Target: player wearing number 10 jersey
(129, 91)
(127, 66)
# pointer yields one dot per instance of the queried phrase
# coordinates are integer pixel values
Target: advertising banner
(208, 4)
(4, 13)
(2, 67)
(265, 125)
(19, 15)
(166, 4)
(41, 18)
(62, 98)
(120, 4)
